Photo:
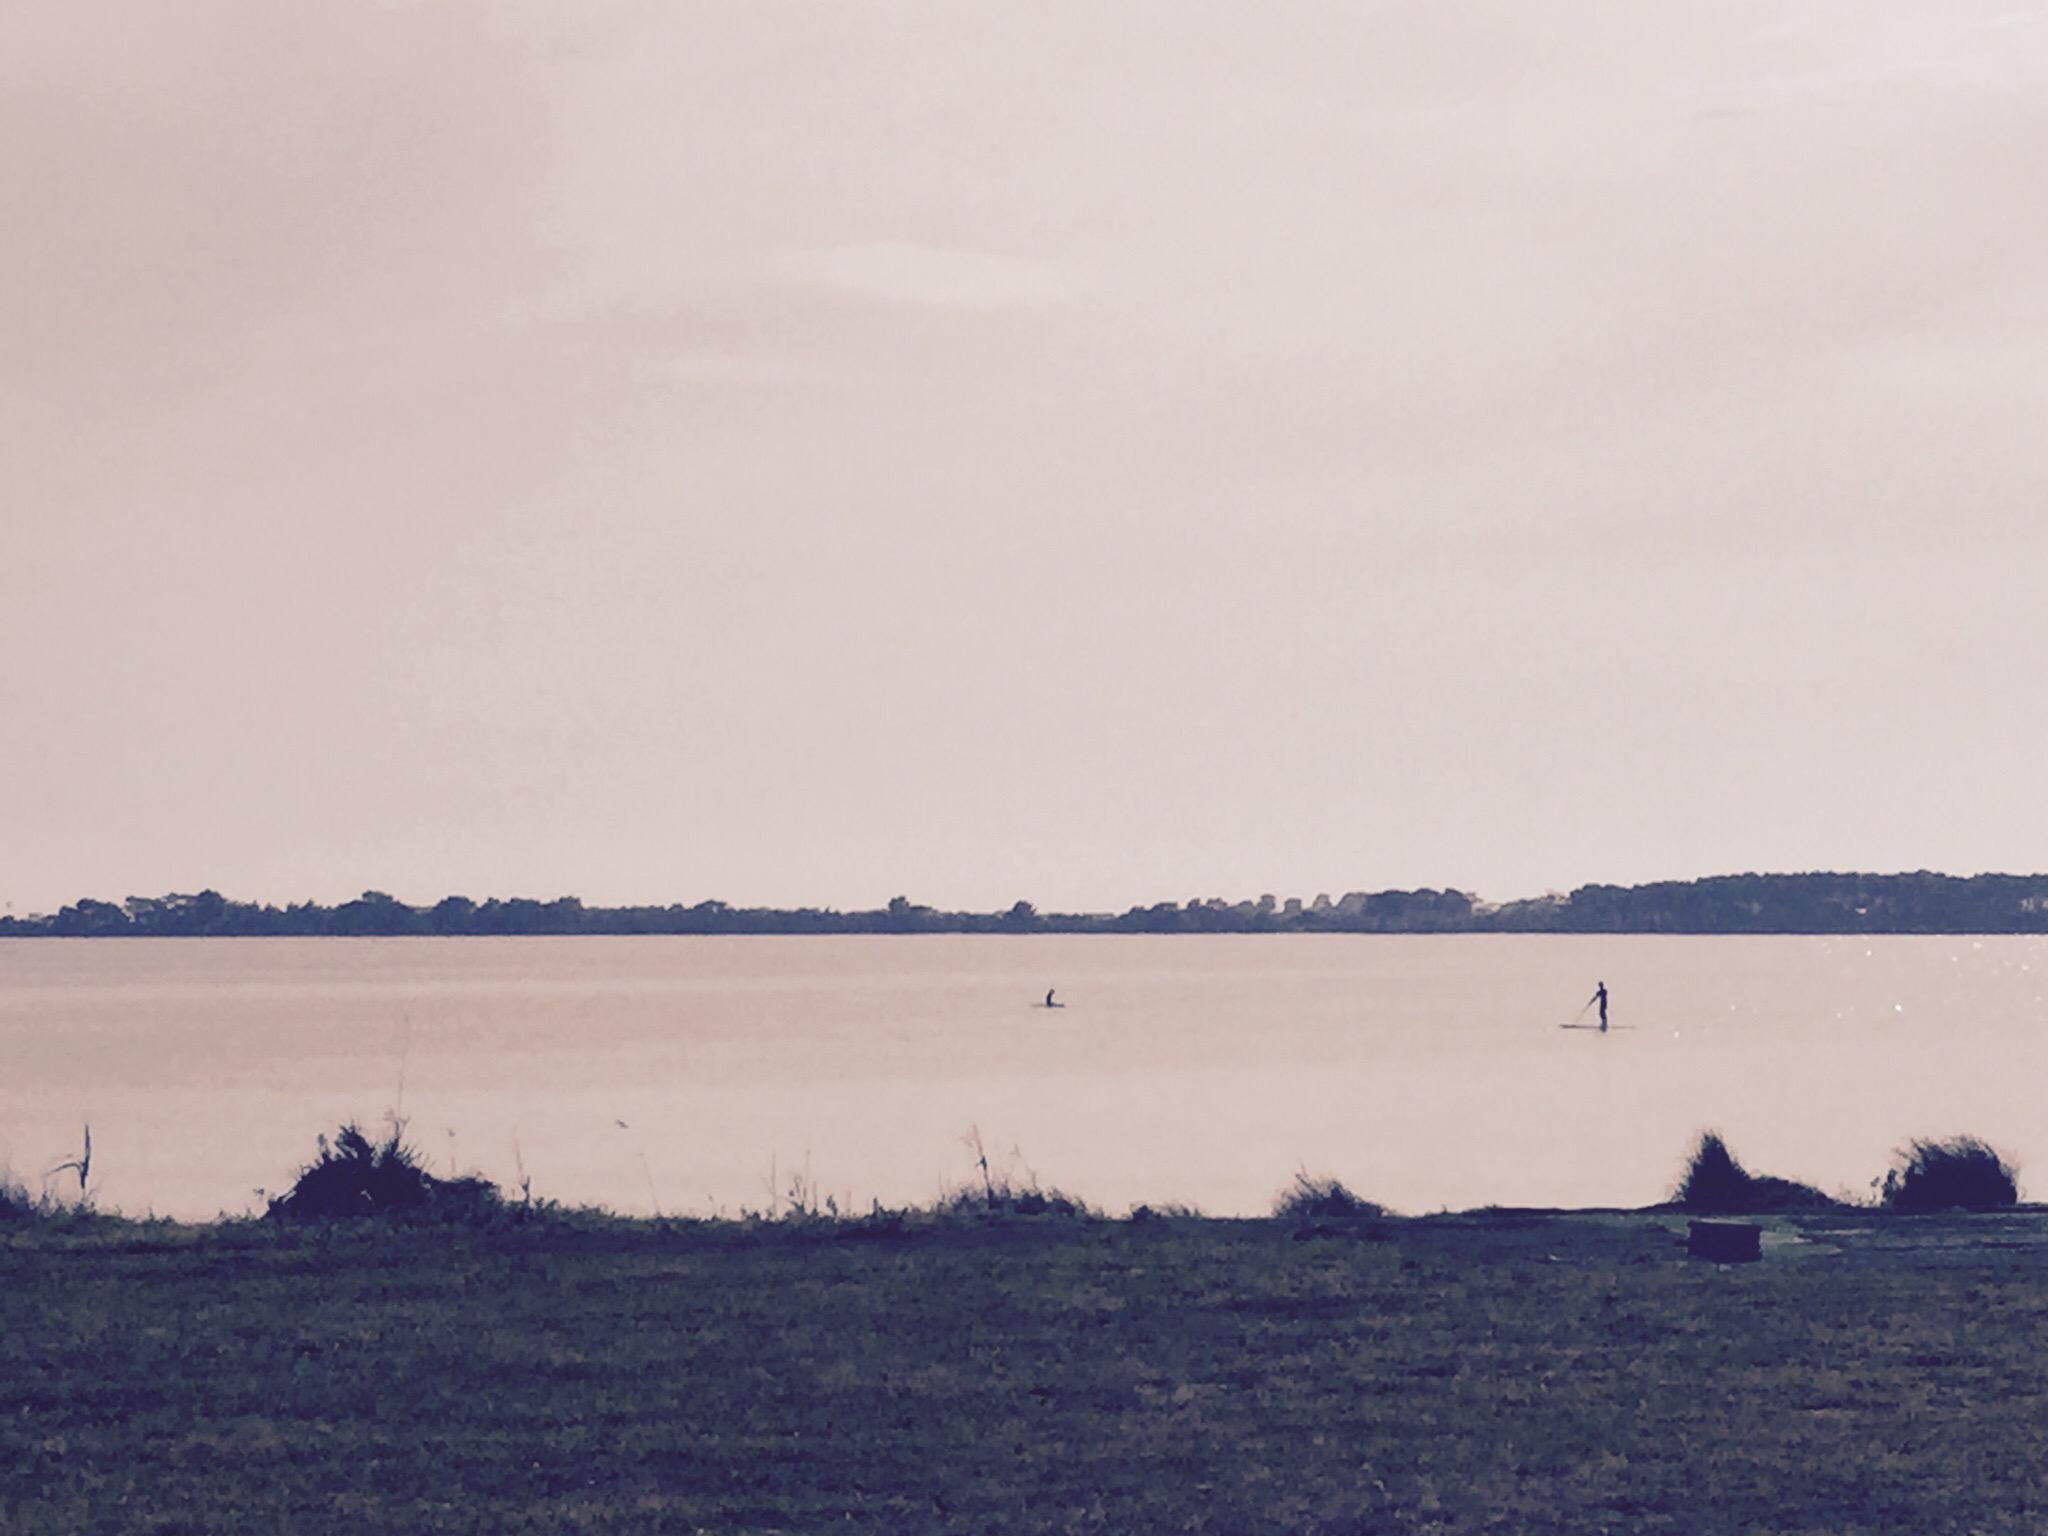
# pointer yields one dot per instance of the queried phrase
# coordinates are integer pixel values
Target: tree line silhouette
(1751, 903)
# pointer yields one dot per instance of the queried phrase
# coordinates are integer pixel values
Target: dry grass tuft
(1715, 1184)
(1321, 1199)
(353, 1176)
(1962, 1173)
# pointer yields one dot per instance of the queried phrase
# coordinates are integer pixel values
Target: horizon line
(1262, 903)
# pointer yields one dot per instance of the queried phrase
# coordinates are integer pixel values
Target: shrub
(1960, 1173)
(354, 1176)
(1172, 1210)
(1716, 1184)
(18, 1205)
(1321, 1199)
(999, 1199)
(1001, 1195)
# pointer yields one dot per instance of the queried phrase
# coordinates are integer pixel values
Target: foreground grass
(1566, 1374)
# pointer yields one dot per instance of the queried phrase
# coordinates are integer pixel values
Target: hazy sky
(1091, 452)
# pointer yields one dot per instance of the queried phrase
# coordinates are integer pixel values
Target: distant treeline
(1814, 903)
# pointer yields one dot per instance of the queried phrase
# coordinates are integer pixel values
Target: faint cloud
(889, 272)
(739, 368)
(1931, 49)
(1966, 370)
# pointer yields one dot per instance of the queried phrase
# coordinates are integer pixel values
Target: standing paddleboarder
(1599, 996)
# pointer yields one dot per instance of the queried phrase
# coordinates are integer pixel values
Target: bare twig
(81, 1164)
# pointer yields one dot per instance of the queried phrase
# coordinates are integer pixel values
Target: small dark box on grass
(1726, 1242)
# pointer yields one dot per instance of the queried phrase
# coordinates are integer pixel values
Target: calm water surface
(697, 1074)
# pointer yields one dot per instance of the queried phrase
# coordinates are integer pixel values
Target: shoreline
(1106, 930)
(541, 1221)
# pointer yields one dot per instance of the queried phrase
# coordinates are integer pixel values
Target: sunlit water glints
(694, 1075)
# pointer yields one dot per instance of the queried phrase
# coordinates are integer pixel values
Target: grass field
(1573, 1373)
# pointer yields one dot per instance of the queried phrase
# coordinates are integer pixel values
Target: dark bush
(1320, 1200)
(18, 1205)
(1961, 1173)
(354, 1176)
(1172, 1210)
(1715, 1184)
(1000, 1199)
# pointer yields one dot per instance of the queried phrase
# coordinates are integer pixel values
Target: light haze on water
(698, 1075)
